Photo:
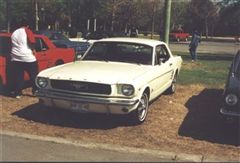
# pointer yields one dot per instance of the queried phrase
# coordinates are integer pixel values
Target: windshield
(120, 52)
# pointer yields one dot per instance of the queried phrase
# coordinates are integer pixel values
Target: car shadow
(204, 121)
(65, 118)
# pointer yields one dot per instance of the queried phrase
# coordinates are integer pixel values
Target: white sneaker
(18, 97)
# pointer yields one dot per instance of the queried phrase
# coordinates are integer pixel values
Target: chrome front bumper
(86, 103)
(229, 113)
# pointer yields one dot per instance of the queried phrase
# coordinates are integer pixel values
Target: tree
(202, 12)
(229, 20)
(111, 9)
(179, 14)
(3, 21)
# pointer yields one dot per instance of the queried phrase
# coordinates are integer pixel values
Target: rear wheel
(172, 88)
(1, 86)
(59, 62)
(139, 115)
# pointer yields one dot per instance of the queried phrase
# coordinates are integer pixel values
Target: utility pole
(153, 18)
(167, 17)
(36, 15)
(8, 16)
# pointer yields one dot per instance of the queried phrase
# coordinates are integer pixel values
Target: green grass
(210, 70)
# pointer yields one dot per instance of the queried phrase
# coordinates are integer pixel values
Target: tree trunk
(206, 27)
(112, 23)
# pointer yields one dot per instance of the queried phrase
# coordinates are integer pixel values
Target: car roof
(149, 42)
(7, 34)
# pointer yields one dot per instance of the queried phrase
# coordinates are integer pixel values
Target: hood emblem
(80, 86)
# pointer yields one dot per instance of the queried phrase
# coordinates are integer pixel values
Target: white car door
(163, 70)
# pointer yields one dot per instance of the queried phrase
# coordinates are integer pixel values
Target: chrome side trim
(229, 113)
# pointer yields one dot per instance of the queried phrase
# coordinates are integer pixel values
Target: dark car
(231, 94)
(97, 35)
(61, 41)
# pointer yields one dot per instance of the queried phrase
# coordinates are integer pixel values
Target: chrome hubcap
(142, 108)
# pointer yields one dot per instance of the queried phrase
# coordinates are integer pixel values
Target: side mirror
(44, 49)
(161, 60)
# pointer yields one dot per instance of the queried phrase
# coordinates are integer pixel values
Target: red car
(179, 35)
(48, 55)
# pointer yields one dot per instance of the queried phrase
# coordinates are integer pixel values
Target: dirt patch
(188, 122)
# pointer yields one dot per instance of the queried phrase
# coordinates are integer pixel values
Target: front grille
(85, 87)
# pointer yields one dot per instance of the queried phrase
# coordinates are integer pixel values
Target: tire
(1, 86)
(172, 88)
(59, 62)
(139, 115)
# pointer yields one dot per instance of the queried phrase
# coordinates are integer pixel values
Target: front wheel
(139, 115)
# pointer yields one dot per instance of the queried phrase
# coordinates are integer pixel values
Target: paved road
(208, 47)
(15, 146)
(22, 149)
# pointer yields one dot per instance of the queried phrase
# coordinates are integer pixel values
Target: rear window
(5, 46)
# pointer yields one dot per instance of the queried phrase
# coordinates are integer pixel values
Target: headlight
(127, 90)
(231, 99)
(42, 82)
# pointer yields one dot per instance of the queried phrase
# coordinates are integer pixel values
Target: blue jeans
(19, 68)
(193, 52)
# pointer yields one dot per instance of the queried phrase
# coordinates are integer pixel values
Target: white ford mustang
(115, 76)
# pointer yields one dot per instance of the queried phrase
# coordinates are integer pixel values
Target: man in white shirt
(23, 57)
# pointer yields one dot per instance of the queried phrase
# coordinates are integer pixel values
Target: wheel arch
(176, 72)
(59, 62)
(147, 91)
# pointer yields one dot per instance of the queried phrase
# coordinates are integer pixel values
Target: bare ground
(188, 122)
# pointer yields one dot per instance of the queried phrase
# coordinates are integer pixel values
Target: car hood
(97, 71)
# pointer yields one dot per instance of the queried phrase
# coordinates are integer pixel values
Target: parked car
(91, 37)
(62, 41)
(115, 76)
(179, 35)
(46, 53)
(231, 94)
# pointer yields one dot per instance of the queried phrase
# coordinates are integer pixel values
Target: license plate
(82, 108)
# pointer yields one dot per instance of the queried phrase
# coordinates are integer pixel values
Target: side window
(40, 45)
(162, 54)
(5, 46)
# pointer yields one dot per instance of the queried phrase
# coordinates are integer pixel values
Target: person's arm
(30, 36)
(31, 39)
